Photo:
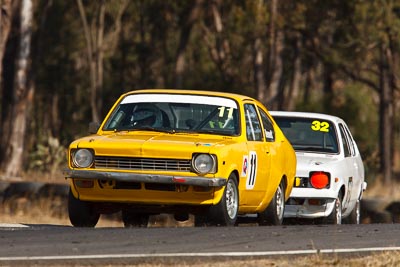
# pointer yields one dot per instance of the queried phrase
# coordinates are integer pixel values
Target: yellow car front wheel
(226, 211)
(81, 213)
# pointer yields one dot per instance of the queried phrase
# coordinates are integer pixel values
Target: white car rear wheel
(336, 216)
(355, 215)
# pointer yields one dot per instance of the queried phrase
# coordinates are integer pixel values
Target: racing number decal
(222, 112)
(245, 165)
(252, 170)
(320, 126)
(221, 115)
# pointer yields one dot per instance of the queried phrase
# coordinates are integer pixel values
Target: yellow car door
(257, 164)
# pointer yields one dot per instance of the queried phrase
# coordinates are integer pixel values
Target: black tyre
(336, 216)
(134, 219)
(81, 213)
(355, 215)
(200, 220)
(273, 214)
(226, 211)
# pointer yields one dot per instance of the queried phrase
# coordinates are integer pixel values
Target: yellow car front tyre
(226, 211)
(81, 213)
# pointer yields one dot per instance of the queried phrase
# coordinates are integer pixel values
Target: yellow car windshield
(176, 115)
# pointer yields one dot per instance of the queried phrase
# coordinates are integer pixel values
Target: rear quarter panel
(288, 161)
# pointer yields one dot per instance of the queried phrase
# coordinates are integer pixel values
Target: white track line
(205, 254)
(12, 225)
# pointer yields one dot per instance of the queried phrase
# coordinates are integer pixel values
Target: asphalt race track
(39, 244)
(35, 244)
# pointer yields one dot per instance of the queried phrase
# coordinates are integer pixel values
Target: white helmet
(146, 114)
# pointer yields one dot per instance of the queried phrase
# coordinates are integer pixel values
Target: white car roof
(306, 115)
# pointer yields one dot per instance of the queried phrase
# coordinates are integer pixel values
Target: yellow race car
(218, 156)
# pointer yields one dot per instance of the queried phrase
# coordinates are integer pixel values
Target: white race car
(329, 180)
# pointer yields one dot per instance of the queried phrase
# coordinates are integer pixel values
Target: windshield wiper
(145, 128)
(314, 149)
(218, 132)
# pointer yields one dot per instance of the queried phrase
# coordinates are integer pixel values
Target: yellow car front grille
(144, 164)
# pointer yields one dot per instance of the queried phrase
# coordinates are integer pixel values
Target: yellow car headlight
(82, 158)
(204, 163)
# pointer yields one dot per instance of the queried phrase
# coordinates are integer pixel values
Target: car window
(351, 140)
(199, 114)
(308, 134)
(253, 125)
(346, 144)
(268, 126)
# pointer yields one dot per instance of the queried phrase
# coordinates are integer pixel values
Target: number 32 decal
(321, 126)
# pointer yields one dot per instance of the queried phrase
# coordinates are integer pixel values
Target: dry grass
(385, 259)
(379, 190)
(43, 212)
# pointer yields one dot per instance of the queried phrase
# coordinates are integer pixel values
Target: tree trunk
(99, 61)
(22, 97)
(258, 57)
(392, 56)
(275, 65)
(183, 41)
(96, 44)
(386, 118)
(291, 97)
(5, 26)
(91, 62)
(8, 64)
(328, 96)
(259, 78)
(218, 45)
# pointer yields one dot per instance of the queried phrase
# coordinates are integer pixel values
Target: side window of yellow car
(268, 126)
(253, 125)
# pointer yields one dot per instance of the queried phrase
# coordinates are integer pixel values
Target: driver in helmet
(146, 115)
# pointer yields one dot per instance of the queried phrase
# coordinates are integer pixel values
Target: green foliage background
(339, 51)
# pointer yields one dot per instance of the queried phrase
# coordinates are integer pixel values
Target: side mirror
(93, 127)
